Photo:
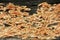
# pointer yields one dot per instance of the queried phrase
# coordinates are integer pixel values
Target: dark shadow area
(57, 38)
(11, 38)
